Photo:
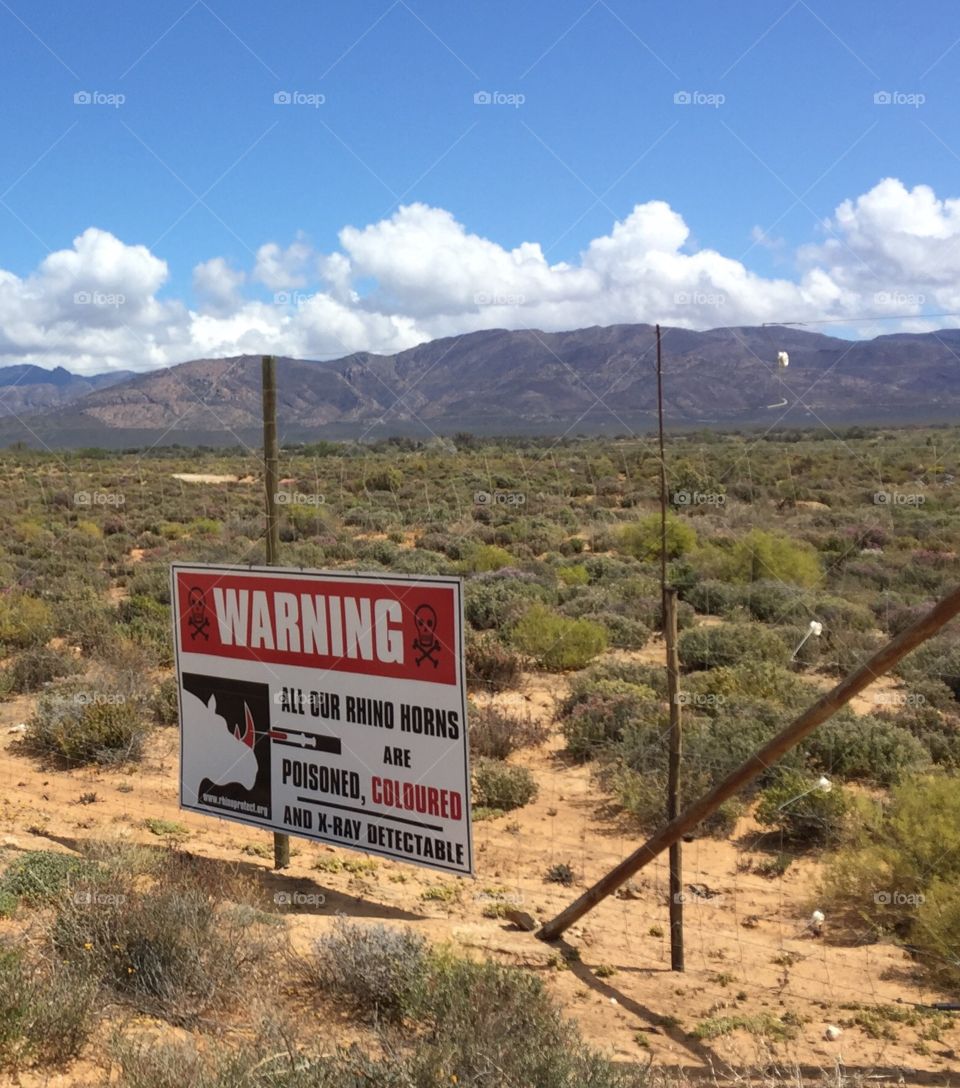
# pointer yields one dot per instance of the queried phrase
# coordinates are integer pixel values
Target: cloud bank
(95, 306)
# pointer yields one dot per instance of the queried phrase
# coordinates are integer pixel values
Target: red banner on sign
(399, 631)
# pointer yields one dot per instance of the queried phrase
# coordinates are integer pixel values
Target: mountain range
(593, 380)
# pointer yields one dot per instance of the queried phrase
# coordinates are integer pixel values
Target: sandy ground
(747, 948)
(210, 478)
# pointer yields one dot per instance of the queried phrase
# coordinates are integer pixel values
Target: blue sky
(198, 162)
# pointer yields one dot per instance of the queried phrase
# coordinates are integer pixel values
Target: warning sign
(327, 705)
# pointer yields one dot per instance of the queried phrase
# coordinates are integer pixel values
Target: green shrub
(901, 876)
(41, 876)
(801, 811)
(496, 603)
(868, 748)
(485, 557)
(730, 644)
(81, 727)
(502, 786)
(938, 659)
(712, 597)
(24, 621)
(629, 672)
(575, 575)
(751, 680)
(643, 540)
(774, 602)
(625, 632)
(762, 556)
(555, 642)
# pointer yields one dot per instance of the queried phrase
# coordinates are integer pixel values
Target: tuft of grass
(166, 828)
(761, 1024)
(561, 873)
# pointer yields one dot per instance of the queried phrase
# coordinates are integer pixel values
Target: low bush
(164, 703)
(485, 557)
(712, 597)
(594, 717)
(80, 727)
(555, 642)
(868, 748)
(490, 664)
(644, 539)
(170, 942)
(497, 602)
(372, 971)
(35, 667)
(730, 644)
(484, 1016)
(624, 632)
(492, 1025)
(802, 812)
(502, 786)
(46, 1014)
(40, 877)
(496, 733)
(901, 876)
(24, 620)
(630, 672)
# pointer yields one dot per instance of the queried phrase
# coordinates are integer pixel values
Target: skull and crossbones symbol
(197, 618)
(426, 643)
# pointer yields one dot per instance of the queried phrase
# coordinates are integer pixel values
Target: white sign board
(326, 705)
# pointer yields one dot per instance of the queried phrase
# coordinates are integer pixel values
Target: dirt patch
(208, 478)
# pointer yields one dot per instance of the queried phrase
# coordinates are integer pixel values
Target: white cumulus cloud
(420, 274)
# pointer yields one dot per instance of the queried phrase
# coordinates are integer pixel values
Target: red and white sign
(327, 705)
